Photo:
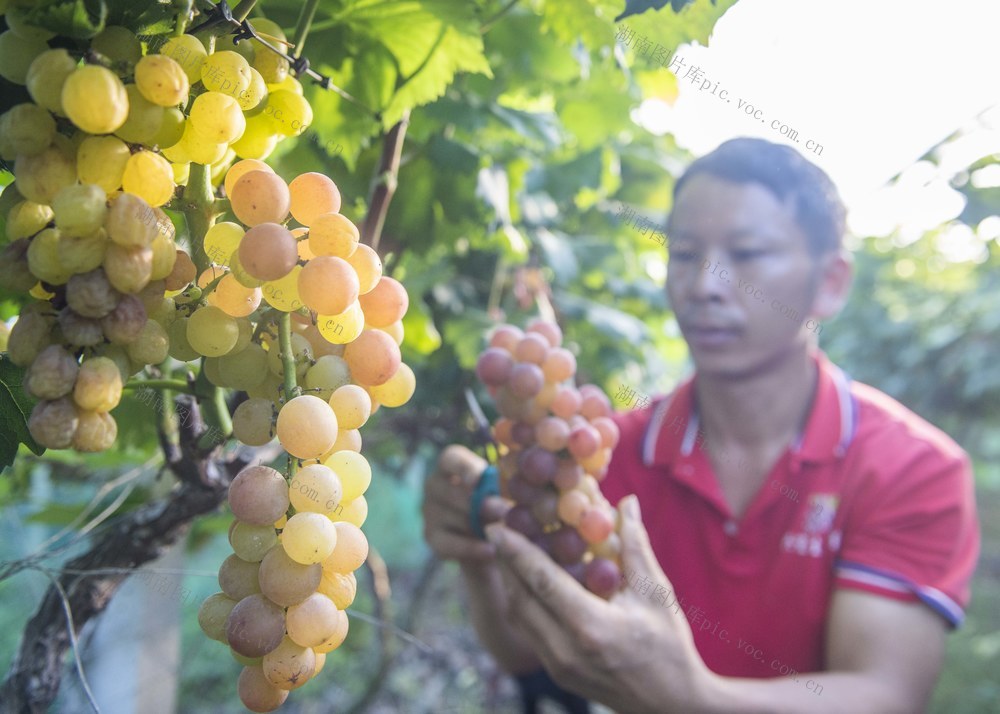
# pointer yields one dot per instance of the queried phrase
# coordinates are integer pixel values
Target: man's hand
(628, 652)
(446, 507)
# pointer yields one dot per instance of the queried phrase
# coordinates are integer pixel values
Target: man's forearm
(488, 612)
(812, 693)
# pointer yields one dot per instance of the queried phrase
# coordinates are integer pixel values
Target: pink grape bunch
(558, 440)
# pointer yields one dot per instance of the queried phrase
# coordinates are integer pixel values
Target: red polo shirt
(869, 497)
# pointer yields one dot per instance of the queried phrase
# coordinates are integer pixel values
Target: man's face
(740, 276)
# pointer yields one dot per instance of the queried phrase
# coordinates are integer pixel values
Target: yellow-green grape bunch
(98, 269)
(296, 539)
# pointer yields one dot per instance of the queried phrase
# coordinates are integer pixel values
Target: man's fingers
(562, 597)
(459, 465)
(458, 547)
(637, 553)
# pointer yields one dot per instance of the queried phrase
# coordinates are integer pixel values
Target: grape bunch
(296, 542)
(556, 441)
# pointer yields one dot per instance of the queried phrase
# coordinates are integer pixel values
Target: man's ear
(836, 275)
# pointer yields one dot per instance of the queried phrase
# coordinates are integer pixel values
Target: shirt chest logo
(814, 535)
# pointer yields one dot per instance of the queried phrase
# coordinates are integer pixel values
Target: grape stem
(175, 385)
(287, 355)
(302, 26)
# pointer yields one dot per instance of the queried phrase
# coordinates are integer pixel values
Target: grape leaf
(637, 7)
(15, 406)
(73, 18)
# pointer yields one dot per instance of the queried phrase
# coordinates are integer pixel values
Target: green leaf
(15, 407)
(589, 21)
(420, 334)
(73, 18)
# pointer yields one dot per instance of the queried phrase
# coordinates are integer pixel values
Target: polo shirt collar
(672, 432)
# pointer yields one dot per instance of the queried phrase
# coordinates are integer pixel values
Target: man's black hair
(789, 176)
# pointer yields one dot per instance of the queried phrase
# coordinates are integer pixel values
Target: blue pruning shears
(489, 480)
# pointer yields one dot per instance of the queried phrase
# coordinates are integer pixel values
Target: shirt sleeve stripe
(886, 580)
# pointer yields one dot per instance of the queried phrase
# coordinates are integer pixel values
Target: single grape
(397, 390)
(313, 621)
(307, 427)
(350, 552)
(290, 113)
(521, 519)
(238, 578)
(227, 72)
(53, 423)
(533, 347)
(46, 76)
(217, 117)
(52, 374)
(258, 495)
(367, 265)
(286, 581)
(79, 331)
(162, 80)
(354, 472)
(91, 295)
(255, 626)
(343, 328)
(537, 465)
(17, 54)
(333, 234)
(549, 330)
(212, 332)
(566, 402)
(28, 129)
(150, 346)
(256, 692)
(385, 303)
(602, 577)
(328, 285)
(252, 422)
(221, 240)
(328, 374)
(258, 140)
(246, 369)
(267, 251)
(309, 537)
(149, 176)
(351, 404)
(289, 665)
(526, 380)
(315, 488)
(120, 45)
(129, 269)
(494, 366)
(313, 194)
(144, 118)
(552, 433)
(26, 218)
(260, 197)
(559, 365)
(252, 542)
(28, 337)
(188, 52)
(41, 177)
(572, 504)
(595, 525)
(95, 99)
(373, 357)
(213, 613)
(342, 588)
(584, 441)
(506, 337)
(595, 402)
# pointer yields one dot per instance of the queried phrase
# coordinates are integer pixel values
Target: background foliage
(519, 154)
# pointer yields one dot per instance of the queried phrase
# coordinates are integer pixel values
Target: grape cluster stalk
(556, 441)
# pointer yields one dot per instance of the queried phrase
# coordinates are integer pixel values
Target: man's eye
(748, 254)
(683, 255)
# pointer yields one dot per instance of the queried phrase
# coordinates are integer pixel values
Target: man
(811, 553)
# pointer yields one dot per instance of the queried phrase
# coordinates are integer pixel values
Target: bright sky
(876, 84)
